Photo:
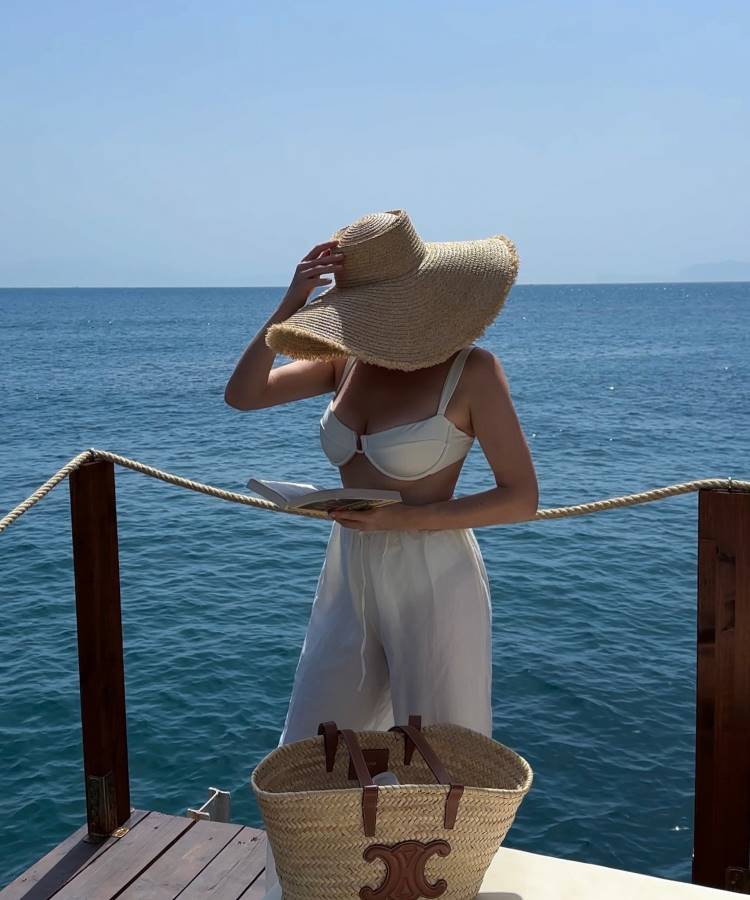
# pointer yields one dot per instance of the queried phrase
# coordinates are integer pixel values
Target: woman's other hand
(322, 260)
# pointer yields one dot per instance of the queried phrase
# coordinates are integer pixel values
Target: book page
(340, 503)
(289, 490)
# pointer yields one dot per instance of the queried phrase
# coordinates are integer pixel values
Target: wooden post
(722, 739)
(100, 653)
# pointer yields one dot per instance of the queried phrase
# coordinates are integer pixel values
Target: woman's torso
(416, 428)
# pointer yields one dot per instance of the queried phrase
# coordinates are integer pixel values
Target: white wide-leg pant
(400, 624)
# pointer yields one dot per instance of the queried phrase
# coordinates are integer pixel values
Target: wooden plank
(96, 567)
(48, 874)
(230, 873)
(127, 859)
(182, 862)
(722, 736)
(706, 681)
(257, 890)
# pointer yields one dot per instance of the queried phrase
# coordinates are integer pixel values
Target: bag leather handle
(413, 737)
(330, 731)
(369, 789)
(409, 747)
(436, 767)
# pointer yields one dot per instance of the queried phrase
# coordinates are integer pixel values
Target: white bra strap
(452, 379)
(347, 368)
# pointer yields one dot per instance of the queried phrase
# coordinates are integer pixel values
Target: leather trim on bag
(451, 805)
(405, 877)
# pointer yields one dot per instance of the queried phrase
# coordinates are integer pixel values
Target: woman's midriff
(359, 472)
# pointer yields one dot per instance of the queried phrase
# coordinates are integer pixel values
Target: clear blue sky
(176, 142)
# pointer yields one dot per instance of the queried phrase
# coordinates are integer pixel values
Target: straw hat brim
(410, 322)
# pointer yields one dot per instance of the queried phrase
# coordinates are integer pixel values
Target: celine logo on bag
(405, 877)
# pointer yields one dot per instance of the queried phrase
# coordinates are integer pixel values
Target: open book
(290, 495)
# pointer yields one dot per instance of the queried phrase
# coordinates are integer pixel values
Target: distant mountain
(729, 270)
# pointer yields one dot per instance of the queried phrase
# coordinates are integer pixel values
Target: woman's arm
(254, 384)
(495, 423)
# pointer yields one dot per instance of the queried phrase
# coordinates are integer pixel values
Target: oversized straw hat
(401, 302)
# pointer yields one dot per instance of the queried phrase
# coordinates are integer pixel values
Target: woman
(401, 619)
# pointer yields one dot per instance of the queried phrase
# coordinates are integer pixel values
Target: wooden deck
(159, 857)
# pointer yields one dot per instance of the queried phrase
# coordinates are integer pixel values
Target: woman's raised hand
(254, 384)
(322, 260)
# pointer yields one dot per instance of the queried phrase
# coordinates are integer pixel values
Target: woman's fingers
(335, 259)
(319, 248)
(320, 270)
(333, 256)
(321, 260)
(351, 518)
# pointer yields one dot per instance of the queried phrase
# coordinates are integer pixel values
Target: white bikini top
(405, 452)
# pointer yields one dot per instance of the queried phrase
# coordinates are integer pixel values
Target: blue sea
(619, 388)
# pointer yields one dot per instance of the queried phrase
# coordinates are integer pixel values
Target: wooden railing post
(721, 843)
(100, 652)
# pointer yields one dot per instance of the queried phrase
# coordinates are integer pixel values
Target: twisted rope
(559, 512)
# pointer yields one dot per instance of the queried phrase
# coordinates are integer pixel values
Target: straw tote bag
(336, 835)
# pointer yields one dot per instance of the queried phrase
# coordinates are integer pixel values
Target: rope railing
(578, 509)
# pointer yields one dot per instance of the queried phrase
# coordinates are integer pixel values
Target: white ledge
(518, 875)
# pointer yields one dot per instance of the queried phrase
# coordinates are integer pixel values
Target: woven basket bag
(336, 835)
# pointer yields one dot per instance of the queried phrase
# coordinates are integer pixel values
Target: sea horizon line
(273, 287)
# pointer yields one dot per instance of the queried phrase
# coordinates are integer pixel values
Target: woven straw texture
(401, 302)
(314, 818)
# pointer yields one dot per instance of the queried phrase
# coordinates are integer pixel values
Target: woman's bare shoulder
(482, 365)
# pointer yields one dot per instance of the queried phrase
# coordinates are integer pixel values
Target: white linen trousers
(401, 623)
